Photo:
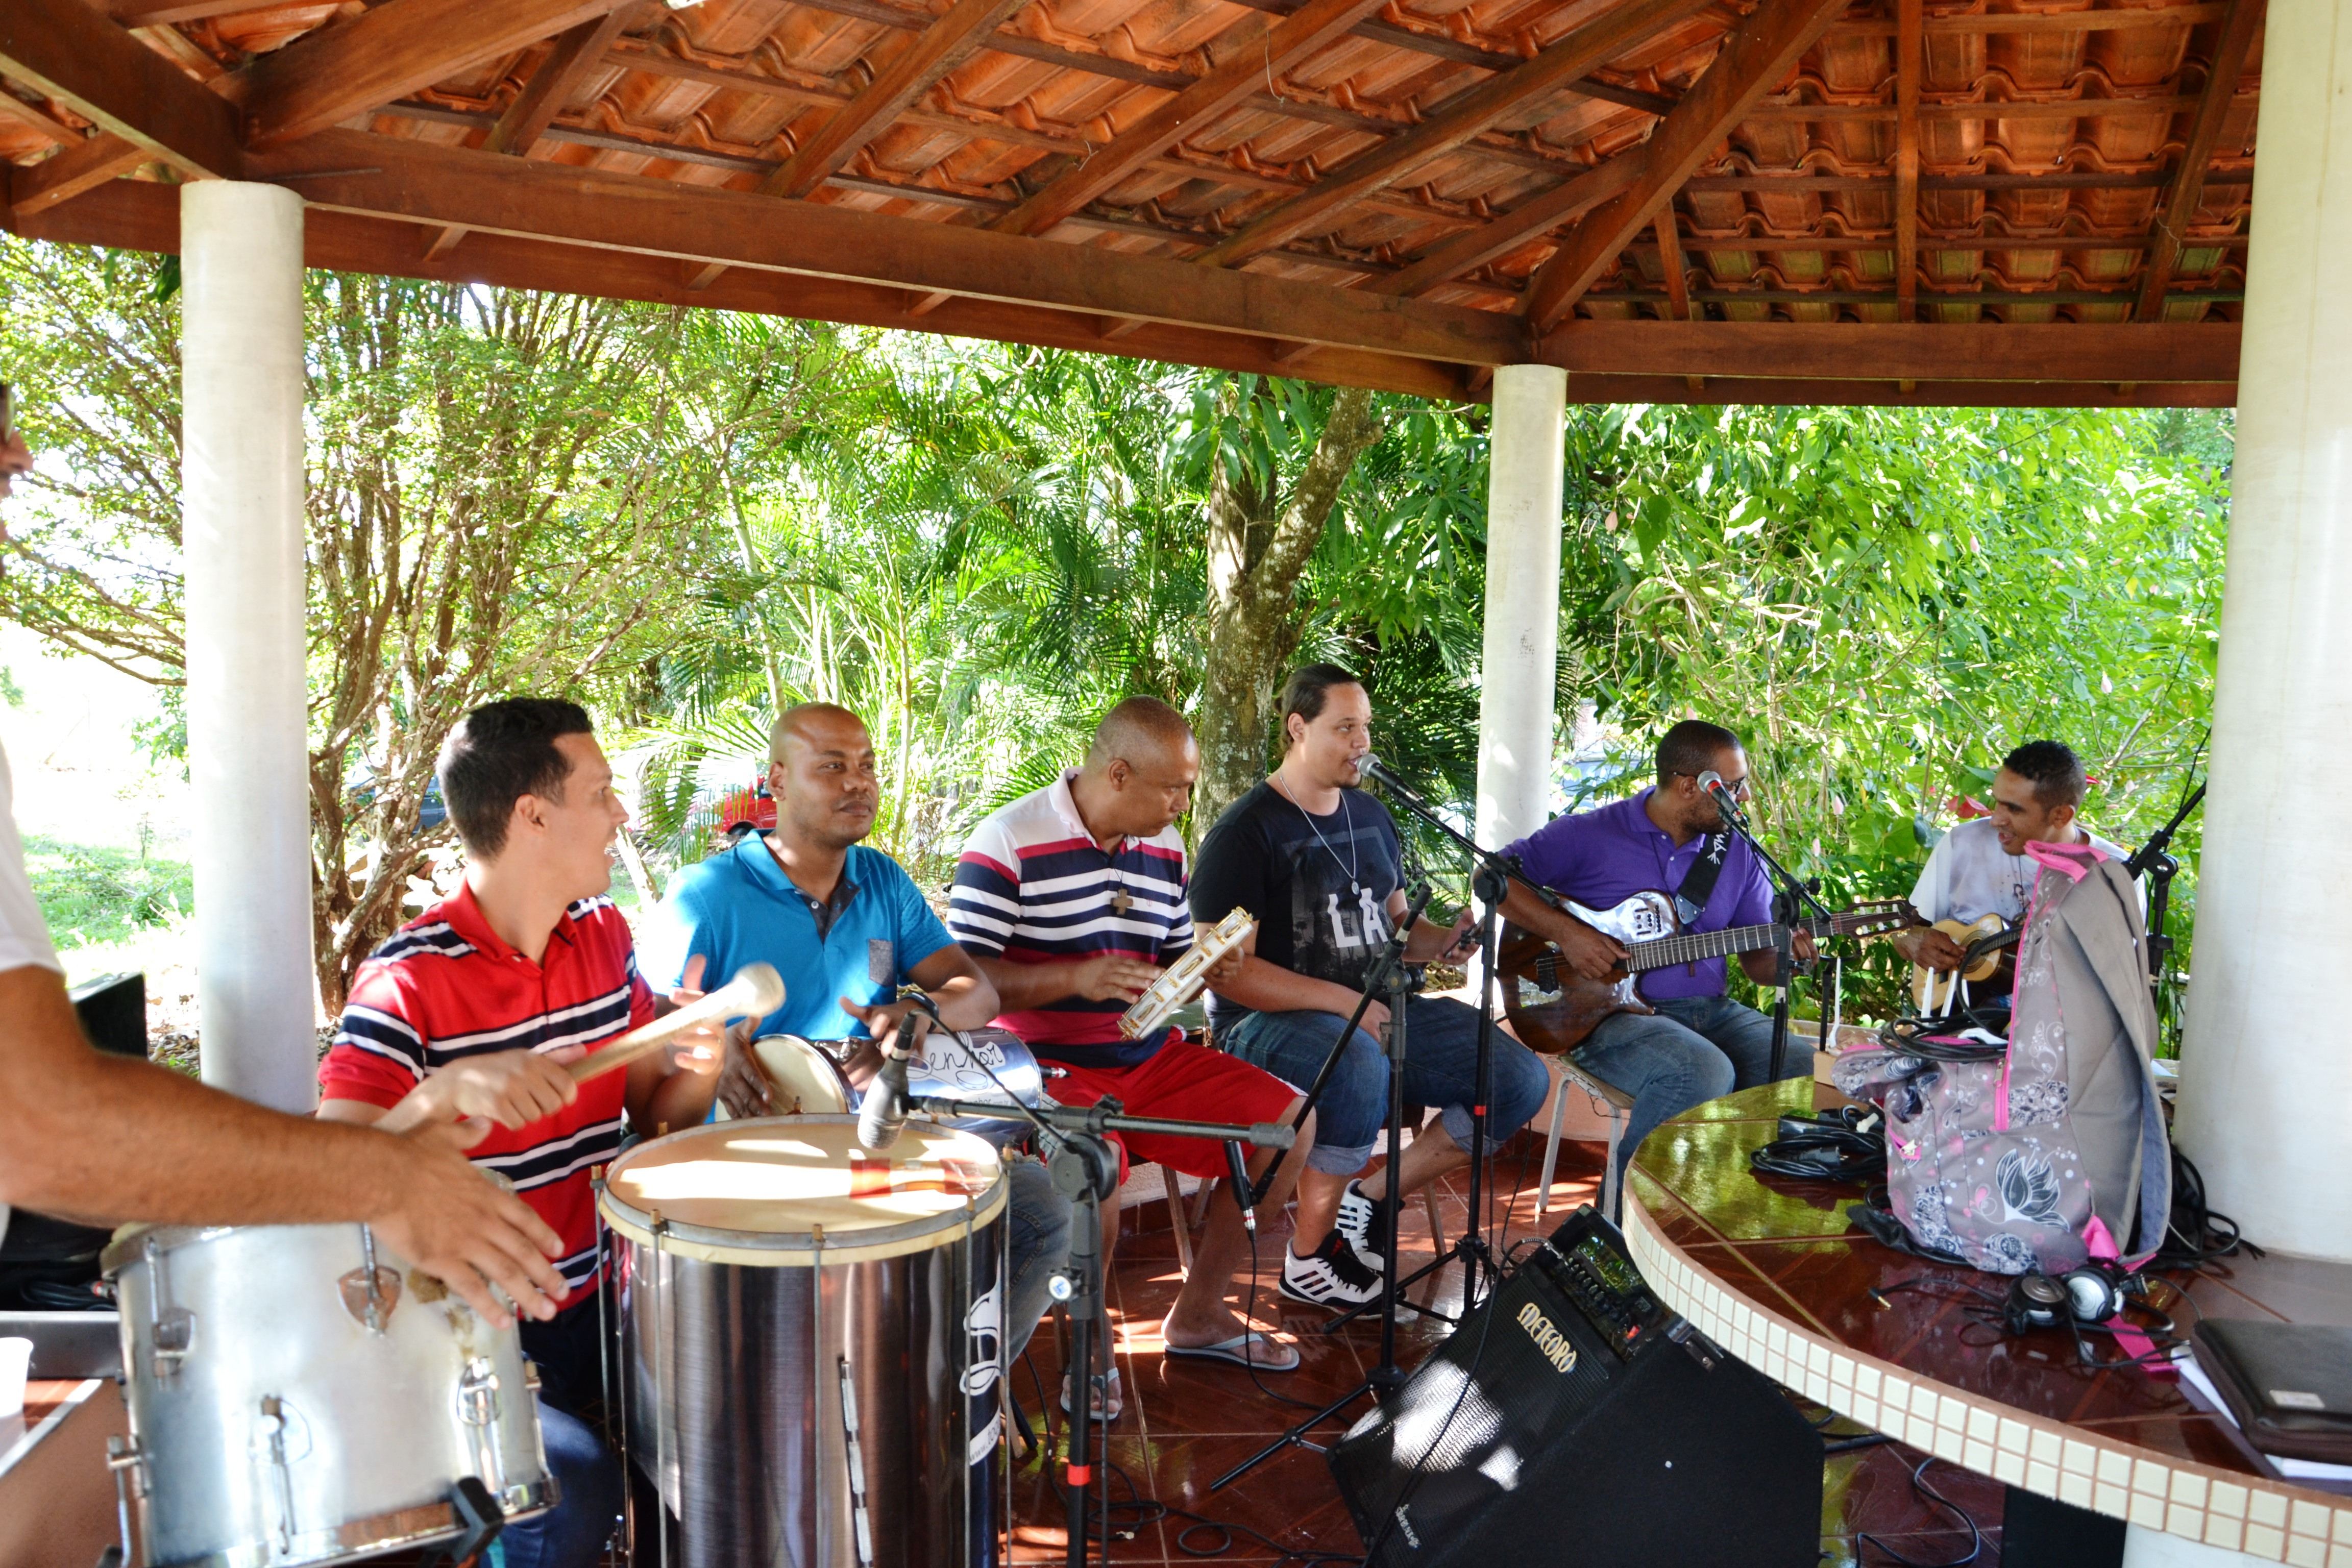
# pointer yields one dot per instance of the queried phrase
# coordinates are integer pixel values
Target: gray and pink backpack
(2055, 1146)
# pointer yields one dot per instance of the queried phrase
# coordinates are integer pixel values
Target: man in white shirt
(104, 1139)
(1980, 867)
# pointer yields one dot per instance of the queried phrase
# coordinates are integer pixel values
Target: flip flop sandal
(1107, 1402)
(1250, 1349)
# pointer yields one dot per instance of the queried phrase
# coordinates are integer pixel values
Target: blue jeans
(1694, 1050)
(572, 1533)
(1037, 1223)
(567, 1350)
(1440, 1068)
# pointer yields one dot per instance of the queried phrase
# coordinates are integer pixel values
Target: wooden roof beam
(135, 216)
(422, 184)
(1612, 34)
(1910, 51)
(1753, 61)
(1296, 37)
(937, 50)
(383, 54)
(69, 50)
(2188, 188)
(575, 55)
(1497, 237)
(1863, 352)
(80, 167)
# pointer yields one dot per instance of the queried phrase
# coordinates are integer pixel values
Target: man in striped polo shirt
(473, 1009)
(1072, 899)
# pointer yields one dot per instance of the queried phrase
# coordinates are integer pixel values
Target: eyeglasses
(1738, 786)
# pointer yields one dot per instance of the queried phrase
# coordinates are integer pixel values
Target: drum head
(792, 1190)
(801, 1080)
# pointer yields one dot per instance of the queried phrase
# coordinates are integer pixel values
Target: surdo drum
(810, 1342)
(299, 1396)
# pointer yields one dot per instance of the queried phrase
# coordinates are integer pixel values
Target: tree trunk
(1258, 547)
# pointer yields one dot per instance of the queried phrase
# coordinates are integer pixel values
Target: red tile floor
(1185, 1424)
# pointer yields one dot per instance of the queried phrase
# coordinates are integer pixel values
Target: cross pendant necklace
(1120, 904)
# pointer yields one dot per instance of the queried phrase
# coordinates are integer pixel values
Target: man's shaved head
(800, 723)
(1137, 729)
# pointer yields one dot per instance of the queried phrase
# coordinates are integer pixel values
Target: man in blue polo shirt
(846, 927)
(1699, 1045)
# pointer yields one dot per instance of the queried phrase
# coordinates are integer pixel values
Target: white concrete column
(2265, 1080)
(242, 536)
(1522, 651)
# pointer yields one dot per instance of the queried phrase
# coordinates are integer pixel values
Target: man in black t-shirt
(1318, 863)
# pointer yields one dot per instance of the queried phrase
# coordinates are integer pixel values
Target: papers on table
(2288, 1469)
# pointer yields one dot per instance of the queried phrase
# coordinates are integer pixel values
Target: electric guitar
(1654, 938)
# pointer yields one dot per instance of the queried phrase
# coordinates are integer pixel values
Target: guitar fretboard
(1690, 947)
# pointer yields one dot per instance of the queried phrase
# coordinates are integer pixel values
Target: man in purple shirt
(1699, 1045)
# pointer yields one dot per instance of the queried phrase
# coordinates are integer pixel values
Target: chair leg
(1551, 1144)
(1179, 1219)
(1200, 1202)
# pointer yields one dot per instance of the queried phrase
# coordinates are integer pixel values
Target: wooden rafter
(383, 54)
(1499, 237)
(164, 13)
(571, 57)
(1854, 350)
(1296, 37)
(1673, 262)
(2169, 363)
(70, 51)
(80, 167)
(1605, 38)
(384, 176)
(1754, 60)
(2188, 188)
(136, 215)
(937, 50)
(1013, 42)
(1910, 17)
(1438, 45)
(39, 118)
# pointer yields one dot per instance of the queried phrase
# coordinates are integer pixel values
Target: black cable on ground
(1919, 1485)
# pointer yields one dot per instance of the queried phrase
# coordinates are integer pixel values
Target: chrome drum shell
(272, 1425)
(748, 1354)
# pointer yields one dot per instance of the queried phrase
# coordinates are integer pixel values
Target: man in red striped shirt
(474, 1009)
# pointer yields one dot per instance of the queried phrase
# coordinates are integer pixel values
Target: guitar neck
(1691, 947)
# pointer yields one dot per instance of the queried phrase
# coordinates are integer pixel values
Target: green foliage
(92, 895)
(1885, 601)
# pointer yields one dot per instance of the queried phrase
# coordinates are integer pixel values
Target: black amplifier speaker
(1571, 1419)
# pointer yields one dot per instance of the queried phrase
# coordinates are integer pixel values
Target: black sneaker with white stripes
(1332, 1276)
(1359, 1220)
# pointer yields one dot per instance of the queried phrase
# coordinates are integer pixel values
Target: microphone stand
(1492, 874)
(1085, 1168)
(1387, 972)
(2154, 859)
(1788, 907)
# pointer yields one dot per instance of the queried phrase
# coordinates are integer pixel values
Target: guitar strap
(1698, 882)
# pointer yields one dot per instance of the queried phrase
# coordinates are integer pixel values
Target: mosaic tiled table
(1772, 1271)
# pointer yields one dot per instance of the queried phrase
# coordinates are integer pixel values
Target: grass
(97, 896)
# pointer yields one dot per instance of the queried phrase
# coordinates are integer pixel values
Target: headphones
(2092, 1294)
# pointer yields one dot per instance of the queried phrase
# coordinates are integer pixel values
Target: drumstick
(756, 991)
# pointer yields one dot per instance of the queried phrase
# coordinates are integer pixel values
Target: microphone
(1372, 768)
(882, 1115)
(1721, 793)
